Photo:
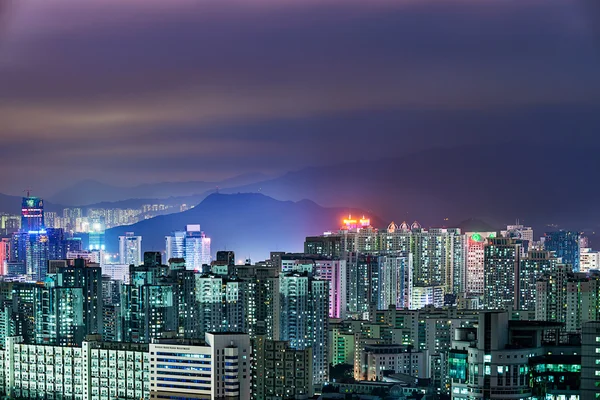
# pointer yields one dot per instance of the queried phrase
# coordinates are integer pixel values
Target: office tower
(474, 258)
(590, 367)
(588, 259)
(531, 268)
(394, 281)
(174, 370)
(32, 214)
(304, 318)
(565, 245)
(221, 304)
(280, 371)
(334, 271)
(226, 257)
(551, 294)
(130, 249)
(262, 300)
(502, 257)
(197, 248)
(175, 245)
(89, 279)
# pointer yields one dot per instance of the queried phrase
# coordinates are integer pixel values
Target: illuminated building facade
(502, 257)
(395, 281)
(474, 258)
(32, 214)
(588, 260)
(280, 371)
(531, 268)
(565, 245)
(304, 318)
(334, 271)
(191, 245)
(130, 249)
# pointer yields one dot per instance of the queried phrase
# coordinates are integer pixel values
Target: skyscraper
(32, 214)
(474, 257)
(304, 318)
(395, 281)
(565, 245)
(197, 248)
(192, 245)
(130, 249)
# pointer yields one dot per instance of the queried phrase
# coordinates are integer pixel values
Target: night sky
(137, 91)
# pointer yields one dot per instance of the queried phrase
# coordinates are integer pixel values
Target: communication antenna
(27, 191)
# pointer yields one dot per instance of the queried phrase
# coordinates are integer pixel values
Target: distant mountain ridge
(90, 192)
(251, 224)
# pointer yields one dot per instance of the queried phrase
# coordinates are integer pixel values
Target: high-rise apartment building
(395, 281)
(280, 371)
(474, 258)
(130, 249)
(304, 318)
(535, 264)
(502, 257)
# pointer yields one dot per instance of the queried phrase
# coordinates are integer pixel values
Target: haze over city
(299, 199)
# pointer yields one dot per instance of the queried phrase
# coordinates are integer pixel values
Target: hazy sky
(152, 90)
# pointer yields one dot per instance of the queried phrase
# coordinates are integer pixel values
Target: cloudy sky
(137, 91)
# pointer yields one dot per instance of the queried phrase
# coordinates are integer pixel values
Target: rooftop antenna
(27, 191)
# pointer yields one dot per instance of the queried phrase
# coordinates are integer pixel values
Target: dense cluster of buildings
(397, 313)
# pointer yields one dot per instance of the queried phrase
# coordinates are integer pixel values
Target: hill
(250, 224)
(90, 192)
(540, 184)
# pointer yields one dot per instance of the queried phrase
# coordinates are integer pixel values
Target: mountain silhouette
(250, 224)
(90, 192)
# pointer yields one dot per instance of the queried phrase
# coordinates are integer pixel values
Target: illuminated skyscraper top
(32, 214)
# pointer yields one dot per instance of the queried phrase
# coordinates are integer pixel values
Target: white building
(197, 372)
(427, 295)
(191, 245)
(588, 259)
(218, 369)
(130, 249)
(474, 258)
(377, 359)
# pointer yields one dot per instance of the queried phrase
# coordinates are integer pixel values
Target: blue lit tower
(565, 245)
